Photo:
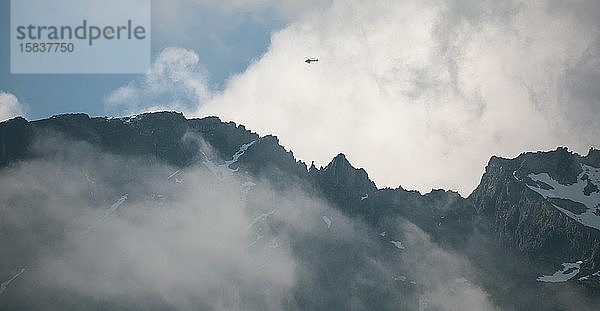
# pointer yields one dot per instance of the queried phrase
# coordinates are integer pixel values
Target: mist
(93, 230)
(90, 224)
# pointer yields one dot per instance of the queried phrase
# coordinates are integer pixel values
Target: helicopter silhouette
(311, 60)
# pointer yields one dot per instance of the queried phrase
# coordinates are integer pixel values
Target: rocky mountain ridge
(514, 205)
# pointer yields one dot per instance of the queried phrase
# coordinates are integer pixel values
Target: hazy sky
(419, 93)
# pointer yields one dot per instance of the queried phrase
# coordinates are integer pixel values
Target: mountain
(546, 205)
(526, 239)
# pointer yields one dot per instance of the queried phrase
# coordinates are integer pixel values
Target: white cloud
(175, 81)
(421, 93)
(9, 106)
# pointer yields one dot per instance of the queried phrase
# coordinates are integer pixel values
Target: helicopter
(311, 60)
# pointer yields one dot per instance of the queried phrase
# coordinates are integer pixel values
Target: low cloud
(9, 106)
(93, 229)
(122, 231)
(448, 279)
(175, 81)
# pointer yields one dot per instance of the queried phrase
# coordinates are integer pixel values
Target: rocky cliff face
(549, 222)
(344, 184)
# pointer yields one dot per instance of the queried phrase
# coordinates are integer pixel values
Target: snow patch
(113, 208)
(575, 193)
(514, 173)
(398, 244)
(583, 278)
(568, 272)
(239, 153)
(177, 172)
(327, 221)
(224, 169)
(175, 178)
(89, 179)
(5, 284)
(259, 218)
(258, 238)
(382, 234)
(364, 197)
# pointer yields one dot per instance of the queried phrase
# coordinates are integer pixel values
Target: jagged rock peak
(339, 160)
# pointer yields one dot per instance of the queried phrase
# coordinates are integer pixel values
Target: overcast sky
(419, 93)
